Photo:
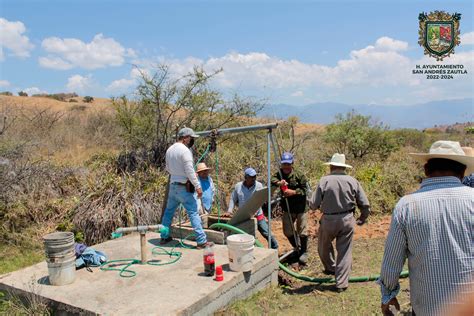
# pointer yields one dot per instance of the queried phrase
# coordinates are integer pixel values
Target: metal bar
(239, 129)
(269, 186)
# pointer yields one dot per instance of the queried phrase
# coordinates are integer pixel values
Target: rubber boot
(292, 241)
(303, 252)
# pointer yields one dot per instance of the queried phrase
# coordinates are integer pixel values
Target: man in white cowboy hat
(207, 186)
(433, 227)
(183, 184)
(337, 196)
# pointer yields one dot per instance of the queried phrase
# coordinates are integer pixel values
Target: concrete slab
(177, 289)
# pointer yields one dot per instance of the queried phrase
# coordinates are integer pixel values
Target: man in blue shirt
(242, 192)
(207, 186)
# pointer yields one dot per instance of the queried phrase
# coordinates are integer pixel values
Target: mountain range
(418, 116)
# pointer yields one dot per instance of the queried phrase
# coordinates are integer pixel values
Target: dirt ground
(374, 228)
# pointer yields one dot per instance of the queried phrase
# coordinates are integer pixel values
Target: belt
(178, 183)
(338, 213)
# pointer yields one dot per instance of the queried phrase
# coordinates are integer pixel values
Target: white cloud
(125, 84)
(78, 83)
(13, 39)
(391, 44)
(70, 52)
(54, 63)
(380, 64)
(381, 72)
(298, 93)
(467, 38)
(121, 85)
(34, 90)
(4, 83)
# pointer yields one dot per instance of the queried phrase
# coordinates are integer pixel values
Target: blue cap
(287, 158)
(250, 172)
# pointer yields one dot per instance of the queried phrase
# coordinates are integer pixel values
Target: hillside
(422, 115)
(54, 105)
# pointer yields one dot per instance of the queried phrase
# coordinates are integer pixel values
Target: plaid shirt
(469, 180)
(434, 228)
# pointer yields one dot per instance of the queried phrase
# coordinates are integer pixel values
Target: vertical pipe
(269, 203)
(143, 246)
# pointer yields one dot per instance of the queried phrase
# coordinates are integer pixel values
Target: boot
(303, 251)
(292, 241)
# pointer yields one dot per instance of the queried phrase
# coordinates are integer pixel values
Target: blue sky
(296, 52)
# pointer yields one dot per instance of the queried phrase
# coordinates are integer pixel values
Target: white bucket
(240, 252)
(62, 270)
(60, 257)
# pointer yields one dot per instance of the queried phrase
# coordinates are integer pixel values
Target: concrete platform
(177, 289)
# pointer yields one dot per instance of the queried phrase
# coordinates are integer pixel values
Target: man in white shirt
(183, 183)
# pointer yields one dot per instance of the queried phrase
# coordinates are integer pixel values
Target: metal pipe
(143, 246)
(269, 187)
(238, 129)
(143, 228)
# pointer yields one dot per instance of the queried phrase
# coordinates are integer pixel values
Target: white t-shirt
(180, 164)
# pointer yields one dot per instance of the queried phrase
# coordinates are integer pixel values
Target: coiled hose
(296, 275)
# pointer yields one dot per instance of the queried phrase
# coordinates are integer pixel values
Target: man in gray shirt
(337, 196)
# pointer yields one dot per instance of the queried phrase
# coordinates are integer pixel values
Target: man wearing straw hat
(433, 227)
(337, 196)
(207, 186)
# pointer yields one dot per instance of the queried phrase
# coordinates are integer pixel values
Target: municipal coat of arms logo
(439, 33)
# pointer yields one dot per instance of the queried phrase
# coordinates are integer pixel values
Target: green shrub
(88, 99)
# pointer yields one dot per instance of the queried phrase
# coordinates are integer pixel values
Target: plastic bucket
(62, 270)
(58, 243)
(240, 252)
(60, 257)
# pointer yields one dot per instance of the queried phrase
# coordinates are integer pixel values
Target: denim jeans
(176, 196)
(263, 229)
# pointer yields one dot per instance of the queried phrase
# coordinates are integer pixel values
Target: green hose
(125, 272)
(301, 277)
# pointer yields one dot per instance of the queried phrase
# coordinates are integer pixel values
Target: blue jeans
(176, 196)
(263, 229)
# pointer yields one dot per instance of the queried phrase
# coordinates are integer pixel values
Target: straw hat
(468, 151)
(445, 149)
(202, 167)
(338, 160)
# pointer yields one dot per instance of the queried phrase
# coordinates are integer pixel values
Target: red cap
(219, 274)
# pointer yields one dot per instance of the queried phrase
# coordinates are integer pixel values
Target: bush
(8, 93)
(165, 104)
(357, 136)
(88, 99)
(73, 101)
(22, 94)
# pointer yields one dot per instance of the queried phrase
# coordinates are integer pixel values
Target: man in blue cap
(294, 188)
(242, 192)
(183, 184)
